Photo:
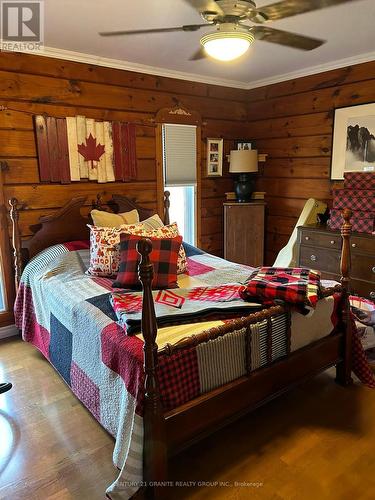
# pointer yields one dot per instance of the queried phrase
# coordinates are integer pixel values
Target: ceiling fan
(233, 35)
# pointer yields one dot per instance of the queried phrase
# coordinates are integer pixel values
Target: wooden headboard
(66, 224)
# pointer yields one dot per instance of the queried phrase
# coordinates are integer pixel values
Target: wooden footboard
(168, 433)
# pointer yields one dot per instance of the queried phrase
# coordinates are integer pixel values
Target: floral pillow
(105, 246)
(104, 250)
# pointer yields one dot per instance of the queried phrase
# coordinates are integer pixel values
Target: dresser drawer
(320, 259)
(364, 289)
(320, 249)
(357, 287)
(363, 267)
(366, 245)
(321, 239)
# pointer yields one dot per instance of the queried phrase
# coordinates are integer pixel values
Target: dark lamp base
(244, 187)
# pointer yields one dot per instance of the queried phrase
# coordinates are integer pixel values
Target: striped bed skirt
(187, 373)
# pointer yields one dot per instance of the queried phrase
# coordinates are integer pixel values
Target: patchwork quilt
(69, 317)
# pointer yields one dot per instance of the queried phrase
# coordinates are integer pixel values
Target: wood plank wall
(292, 121)
(32, 85)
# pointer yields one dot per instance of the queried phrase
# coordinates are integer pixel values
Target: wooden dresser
(244, 232)
(320, 248)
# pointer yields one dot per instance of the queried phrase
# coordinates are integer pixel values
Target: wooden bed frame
(167, 433)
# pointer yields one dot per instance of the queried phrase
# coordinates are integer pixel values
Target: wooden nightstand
(244, 232)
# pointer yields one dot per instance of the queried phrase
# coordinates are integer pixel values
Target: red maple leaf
(91, 151)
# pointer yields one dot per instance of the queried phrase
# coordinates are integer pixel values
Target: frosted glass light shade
(243, 161)
(226, 46)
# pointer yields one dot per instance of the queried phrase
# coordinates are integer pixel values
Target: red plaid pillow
(164, 257)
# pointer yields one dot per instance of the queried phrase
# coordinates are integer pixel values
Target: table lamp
(244, 162)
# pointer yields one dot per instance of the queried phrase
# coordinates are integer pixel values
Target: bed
(158, 399)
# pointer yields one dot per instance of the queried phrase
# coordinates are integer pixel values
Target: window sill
(6, 318)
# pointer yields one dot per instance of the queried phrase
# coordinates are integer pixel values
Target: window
(2, 297)
(6, 265)
(182, 210)
(180, 176)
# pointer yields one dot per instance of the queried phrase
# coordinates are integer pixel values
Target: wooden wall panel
(357, 73)
(25, 87)
(25, 170)
(318, 167)
(41, 196)
(314, 101)
(292, 121)
(32, 85)
(294, 126)
(90, 73)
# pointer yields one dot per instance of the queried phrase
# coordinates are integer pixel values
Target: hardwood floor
(317, 442)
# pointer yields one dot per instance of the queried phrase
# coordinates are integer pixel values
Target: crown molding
(81, 57)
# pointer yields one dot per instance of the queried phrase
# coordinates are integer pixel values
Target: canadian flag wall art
(76, 147)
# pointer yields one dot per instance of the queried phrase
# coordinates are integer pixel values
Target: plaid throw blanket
(297, 286)
(182, 305)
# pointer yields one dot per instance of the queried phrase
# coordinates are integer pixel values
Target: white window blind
(180, 154)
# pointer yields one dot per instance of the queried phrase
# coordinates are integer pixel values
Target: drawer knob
(373, 269)
(354, 245)
(313, 258)
(307, 238)
(372, 295)
(332, 242)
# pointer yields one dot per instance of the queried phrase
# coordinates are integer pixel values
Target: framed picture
(353, 148)
(243, 144)
(215, 157)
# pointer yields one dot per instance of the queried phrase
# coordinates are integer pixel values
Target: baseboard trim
(8, 331)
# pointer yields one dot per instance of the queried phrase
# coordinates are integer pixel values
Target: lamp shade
(243, 161)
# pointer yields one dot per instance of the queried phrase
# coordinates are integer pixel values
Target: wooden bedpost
(167, 204)
(344, 368)
(154, 447)
(16, 241)
(98, 203)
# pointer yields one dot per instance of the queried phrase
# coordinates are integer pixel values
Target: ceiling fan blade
(199, 54)
(187, 27)
(288, 8)
(286, 38)
(206, 6)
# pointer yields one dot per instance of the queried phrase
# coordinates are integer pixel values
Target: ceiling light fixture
(227, 43)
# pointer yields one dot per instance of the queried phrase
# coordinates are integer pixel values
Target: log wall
(34, 85)
(292, 121)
